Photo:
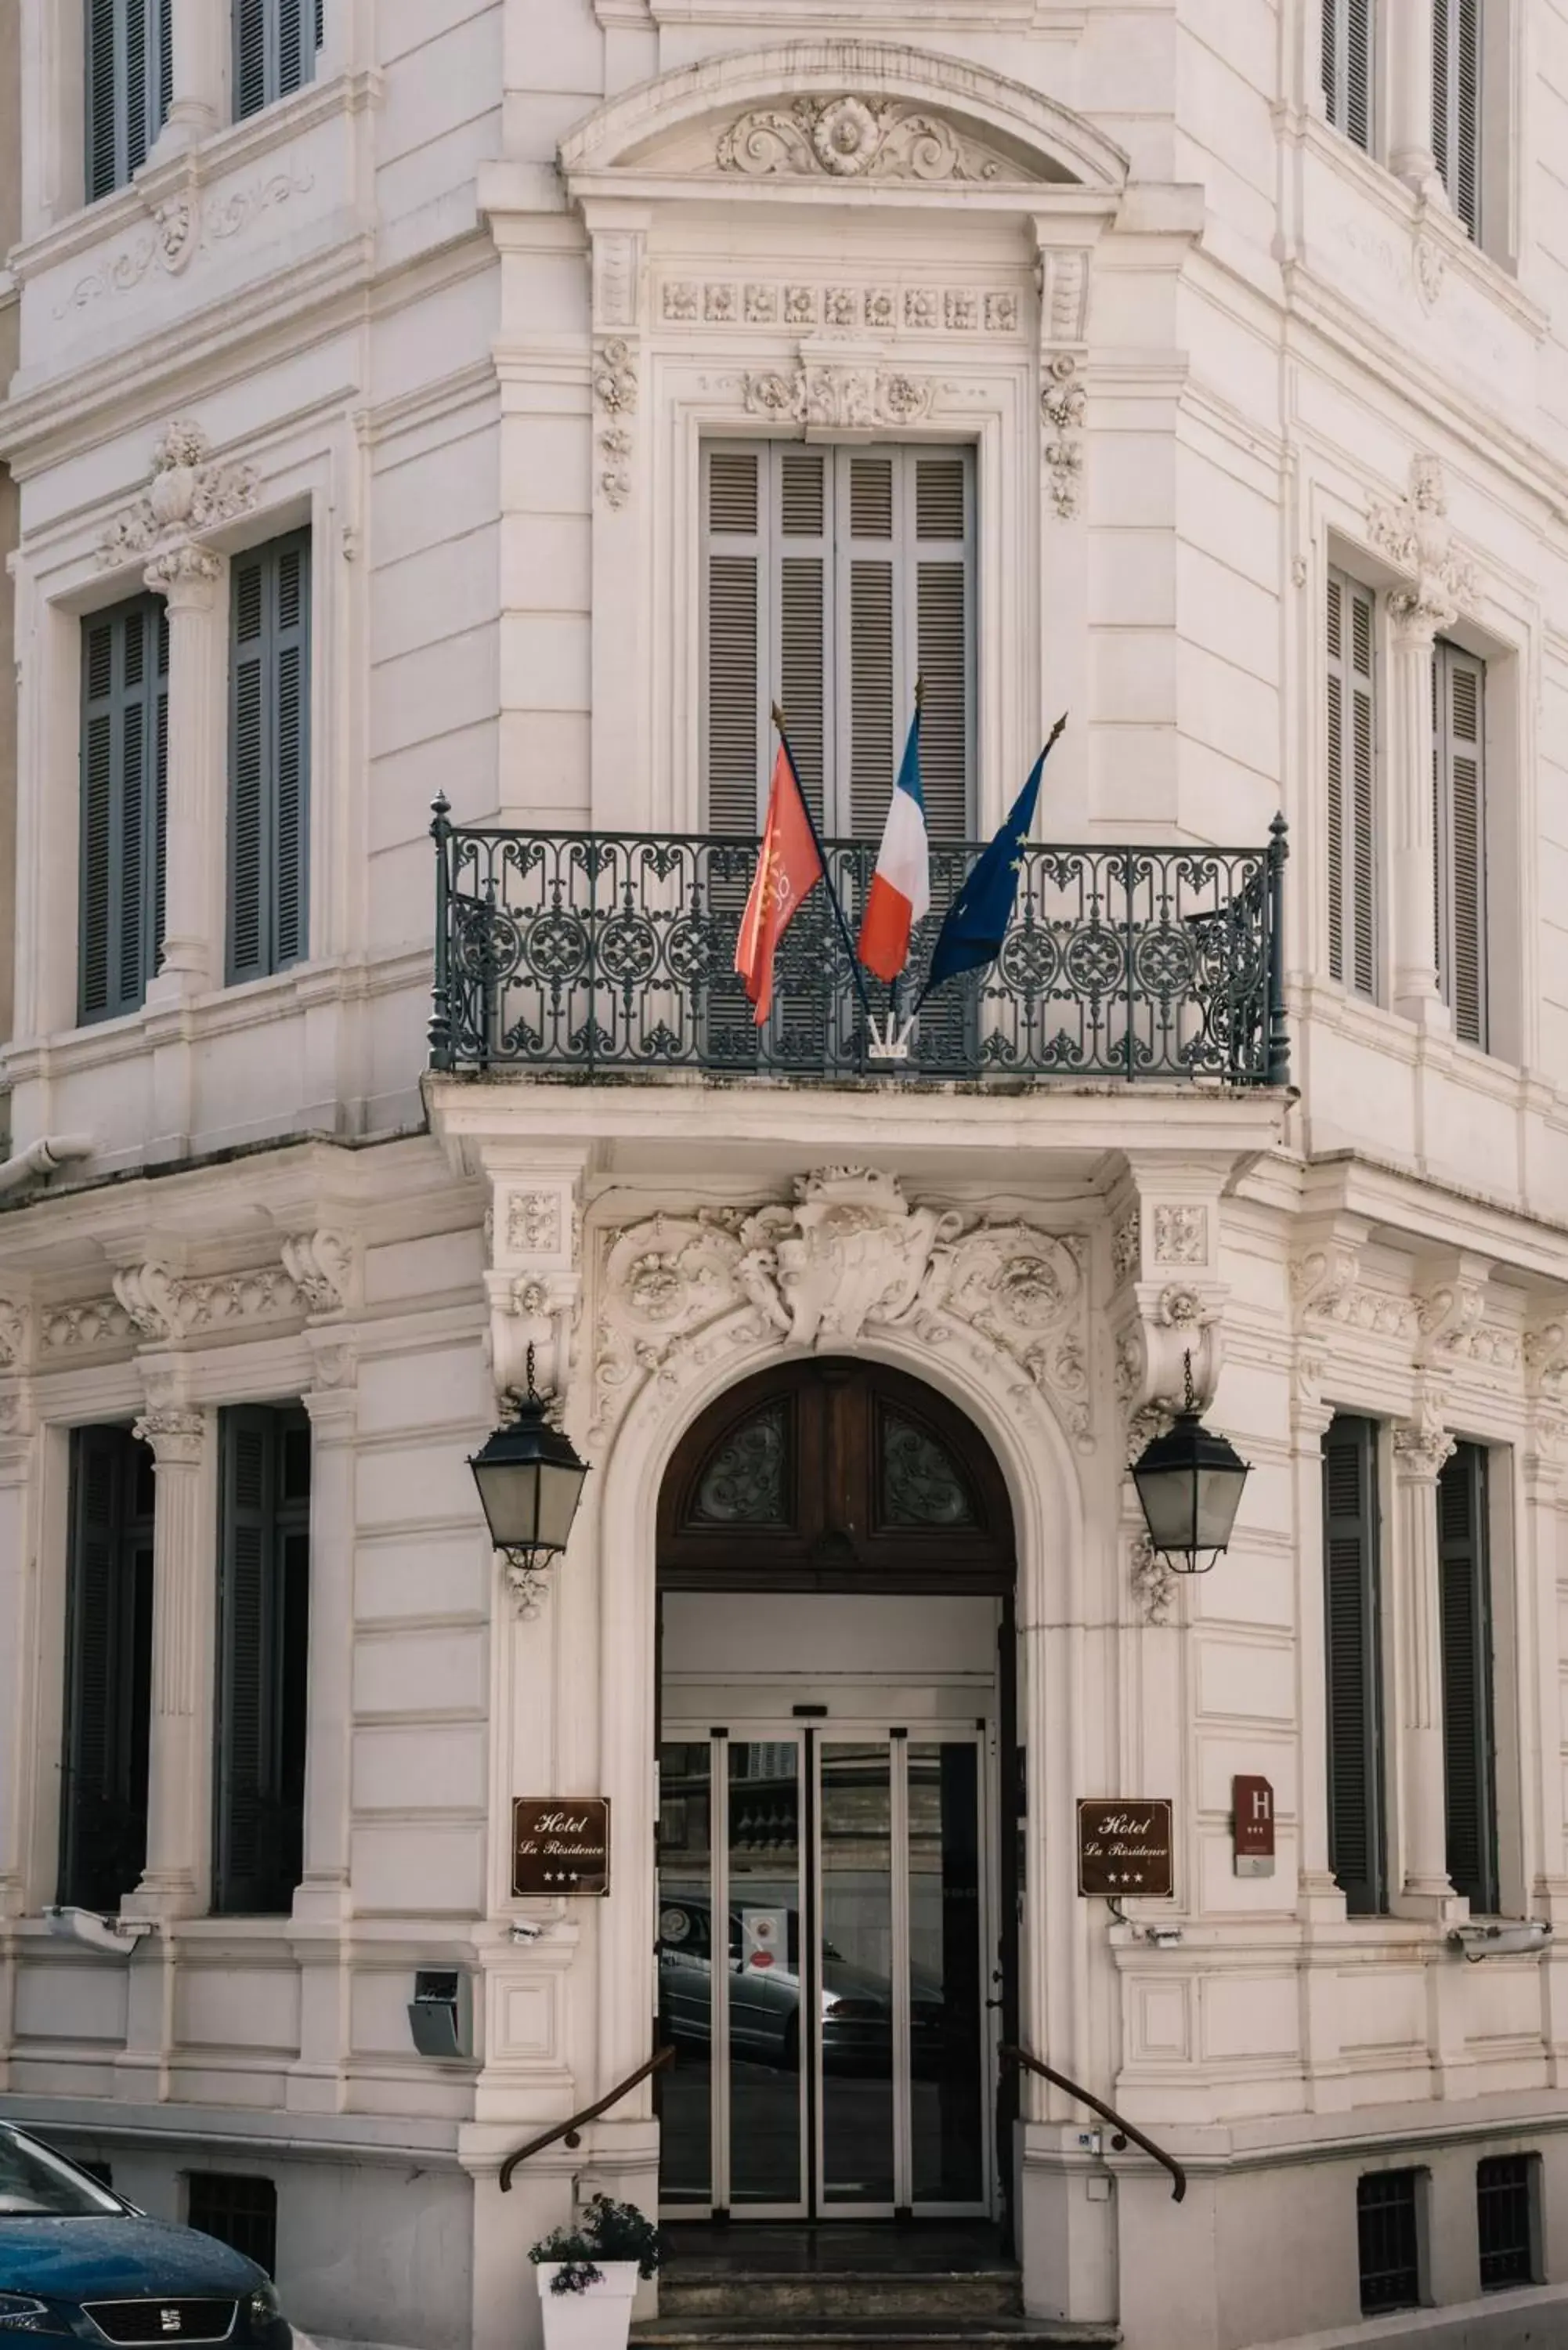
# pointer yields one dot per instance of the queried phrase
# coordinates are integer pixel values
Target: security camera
(1510, 1936)
(526, 1929)
(1164, 1938)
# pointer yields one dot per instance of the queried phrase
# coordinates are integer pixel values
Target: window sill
(186, 176)
(1331, 1006)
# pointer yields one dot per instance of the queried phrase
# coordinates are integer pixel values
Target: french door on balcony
(825, 1970)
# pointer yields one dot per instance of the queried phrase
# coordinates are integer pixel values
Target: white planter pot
(598, 2318)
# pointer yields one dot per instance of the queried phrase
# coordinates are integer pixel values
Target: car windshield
(35, 2182)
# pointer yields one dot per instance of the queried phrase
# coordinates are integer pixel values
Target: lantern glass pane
(1168, 1497)
(1219, 1499)
(510, 1492)
(559, 1488)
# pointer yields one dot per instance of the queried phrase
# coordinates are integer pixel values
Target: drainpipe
(45, 1157)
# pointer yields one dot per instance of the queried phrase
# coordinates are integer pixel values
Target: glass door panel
(765, 1975)
(859, 2032)
(685, 1955)
(948, 2103)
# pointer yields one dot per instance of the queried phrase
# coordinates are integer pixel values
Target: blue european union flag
(977, 921)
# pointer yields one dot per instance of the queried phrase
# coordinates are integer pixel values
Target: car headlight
(20, 2313)
(263, 2305)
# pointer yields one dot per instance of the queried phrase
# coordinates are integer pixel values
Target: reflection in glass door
(822, 1964)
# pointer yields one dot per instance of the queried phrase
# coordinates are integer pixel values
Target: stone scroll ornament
(850, 138)
(848, 1255)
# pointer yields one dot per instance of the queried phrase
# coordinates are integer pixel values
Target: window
(1353, 828)
(1348, 55)
(1459, 787)
(276, 43)
(269, 757)
(1352, 1635)
(109, 1670)
(124, 800)
(1469, 1783)
(264, 1599)
(240, 2213)
(1388, 2239)
(130, 86)
(1457, 105)
(1506, 2195)
(835, 577)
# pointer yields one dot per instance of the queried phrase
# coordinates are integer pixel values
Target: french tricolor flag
(900, 891)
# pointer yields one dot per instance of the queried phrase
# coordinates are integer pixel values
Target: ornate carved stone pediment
(854, 138)
(848, 1256)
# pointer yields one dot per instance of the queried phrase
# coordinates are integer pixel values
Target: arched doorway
(837, 1908)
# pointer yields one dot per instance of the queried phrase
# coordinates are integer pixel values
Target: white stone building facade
(397, 419)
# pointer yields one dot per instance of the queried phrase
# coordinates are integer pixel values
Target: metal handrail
(571, 2131)
(1125, 2130)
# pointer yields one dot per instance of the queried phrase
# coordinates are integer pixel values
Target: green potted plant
(588, 2273)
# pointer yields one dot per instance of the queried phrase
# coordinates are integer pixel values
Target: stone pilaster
(187, 578)
(174, 1880)
(1421, 1888)
(1406, 32)
(322, 1897)
(195, 110)
(1413, 627)
(18, 1592)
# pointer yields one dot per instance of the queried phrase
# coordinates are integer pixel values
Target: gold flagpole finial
(778, 718)
(919, 692)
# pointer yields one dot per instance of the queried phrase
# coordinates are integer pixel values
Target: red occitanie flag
(789, 866)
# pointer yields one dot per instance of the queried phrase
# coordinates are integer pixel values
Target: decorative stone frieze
(15, 1333)
(852, 138)
(1454, 1329)
(1326, 1287)
(182, 225)
(945, 310)
(167, 1308)
(189, 493)
(849, 1255)
(844, 398)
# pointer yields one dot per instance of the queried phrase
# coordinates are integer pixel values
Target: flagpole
(826, 870)
(897, 975)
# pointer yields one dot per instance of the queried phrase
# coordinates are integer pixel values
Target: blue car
(79, 2263)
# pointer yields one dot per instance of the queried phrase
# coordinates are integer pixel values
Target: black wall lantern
(1190, 1485)
(530, 1482)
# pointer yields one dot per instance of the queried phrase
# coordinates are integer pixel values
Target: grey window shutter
(802, 587)
(1353, 830)
(269, 758)
(1348, 35)
(1458, 796)
(944, 638)
(129, 84)
(1469, 1783)
(1351, 1639)
(263, 1647)
(275, 44)
(124, 805)
(108, 1641)
(733, 740)
(1457, 105)
(869, 723)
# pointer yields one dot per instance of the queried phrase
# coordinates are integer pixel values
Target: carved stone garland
(188, 493)
(849, 1254)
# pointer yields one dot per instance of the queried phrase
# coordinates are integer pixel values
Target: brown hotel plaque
(1124, 1848)
(560, 1845)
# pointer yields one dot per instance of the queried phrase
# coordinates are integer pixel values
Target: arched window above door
(834, 1474)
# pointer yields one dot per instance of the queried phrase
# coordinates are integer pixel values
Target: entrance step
(766, 2297)
(861, 2333)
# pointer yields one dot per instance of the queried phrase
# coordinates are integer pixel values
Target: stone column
(1415, 620)
(19, 1454)
(1420, 1886)
(187, 578)
(174, 1879)
(1318, 1895)
(1407, 32)
(200, 33)
(322, 1896)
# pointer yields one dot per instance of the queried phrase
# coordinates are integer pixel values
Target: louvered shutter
(1459, 698)
(103, 1814)
(1351, 1641)
(269, 758)
(276, 43)
(802, 643)
(943, 639)
(263, 1634)
(129, 85)
(1353, 830)
(1347, 67)
(735, 685)
(1466, 1614)
(1457, 105)
(124, 805)
(868, 718)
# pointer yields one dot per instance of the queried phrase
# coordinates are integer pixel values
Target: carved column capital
(175, 1435)
(1421, 1443)
(186, 576)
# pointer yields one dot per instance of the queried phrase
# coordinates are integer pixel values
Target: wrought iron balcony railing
(599, 953)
